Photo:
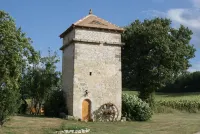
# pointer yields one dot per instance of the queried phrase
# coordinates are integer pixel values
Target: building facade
(91, 68)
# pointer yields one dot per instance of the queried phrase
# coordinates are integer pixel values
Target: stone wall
(95, 35)
(68, 37)
(104, 83)
(103, 62)
(68, 76)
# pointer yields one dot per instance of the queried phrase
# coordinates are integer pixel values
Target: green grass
(178, 123)
(172, 96)
(171, 122)
(188, 102)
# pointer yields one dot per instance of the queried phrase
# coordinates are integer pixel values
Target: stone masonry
(91, 61)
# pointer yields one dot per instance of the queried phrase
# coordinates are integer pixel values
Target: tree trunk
(148, 97)
(35, 107)
(1, 123)
(38, 111)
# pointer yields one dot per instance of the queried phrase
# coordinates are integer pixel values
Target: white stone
(70, 117)
(87, 130)
(103, 61)
(66, 131)
(71, 131)
(97, 35)
(79, 131)
(60, 132)
(83, 131)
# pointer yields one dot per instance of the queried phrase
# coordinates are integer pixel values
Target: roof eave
(67, 31)
(121, 30)
(106, 29)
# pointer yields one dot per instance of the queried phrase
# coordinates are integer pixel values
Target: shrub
(54, 104)
(135, 109)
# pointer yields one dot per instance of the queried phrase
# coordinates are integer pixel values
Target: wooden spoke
(107, 112)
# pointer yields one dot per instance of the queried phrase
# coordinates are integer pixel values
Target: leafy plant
(16, 53)
(54, 104)
(41, 80)
(134, 108)
(155, 53)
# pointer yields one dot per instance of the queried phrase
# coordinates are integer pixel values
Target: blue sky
(44, 20)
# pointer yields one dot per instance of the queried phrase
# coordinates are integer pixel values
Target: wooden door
(86, 107)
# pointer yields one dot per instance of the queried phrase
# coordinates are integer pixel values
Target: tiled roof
(92, 21)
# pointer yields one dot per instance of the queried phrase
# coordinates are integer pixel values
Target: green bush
(55, 104)
(135, 109)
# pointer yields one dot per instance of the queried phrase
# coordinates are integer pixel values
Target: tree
(184, 83)
(154, 54)
(41, 79)
(15, 53)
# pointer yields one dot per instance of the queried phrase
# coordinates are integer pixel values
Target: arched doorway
(86, 109)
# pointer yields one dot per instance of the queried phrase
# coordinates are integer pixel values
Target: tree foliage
(189, 82)
(154, 54)
(40, 79)
(55, 103)
(15, 53)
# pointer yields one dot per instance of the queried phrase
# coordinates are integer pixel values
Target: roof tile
(92, 21)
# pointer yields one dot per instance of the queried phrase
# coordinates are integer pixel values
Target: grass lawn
(171, 102)
(176, 123)
(173, 96)
(164, 123)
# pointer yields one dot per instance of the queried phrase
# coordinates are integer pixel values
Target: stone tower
(91, 67)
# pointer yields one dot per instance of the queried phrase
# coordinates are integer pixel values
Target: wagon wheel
(107, 112)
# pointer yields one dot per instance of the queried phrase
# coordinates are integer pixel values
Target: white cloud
(155, 13)
(189, 17)
(196, 3)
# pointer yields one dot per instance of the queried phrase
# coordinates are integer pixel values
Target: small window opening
(90, 73)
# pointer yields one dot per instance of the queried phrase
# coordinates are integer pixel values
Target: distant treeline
(189, 82)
